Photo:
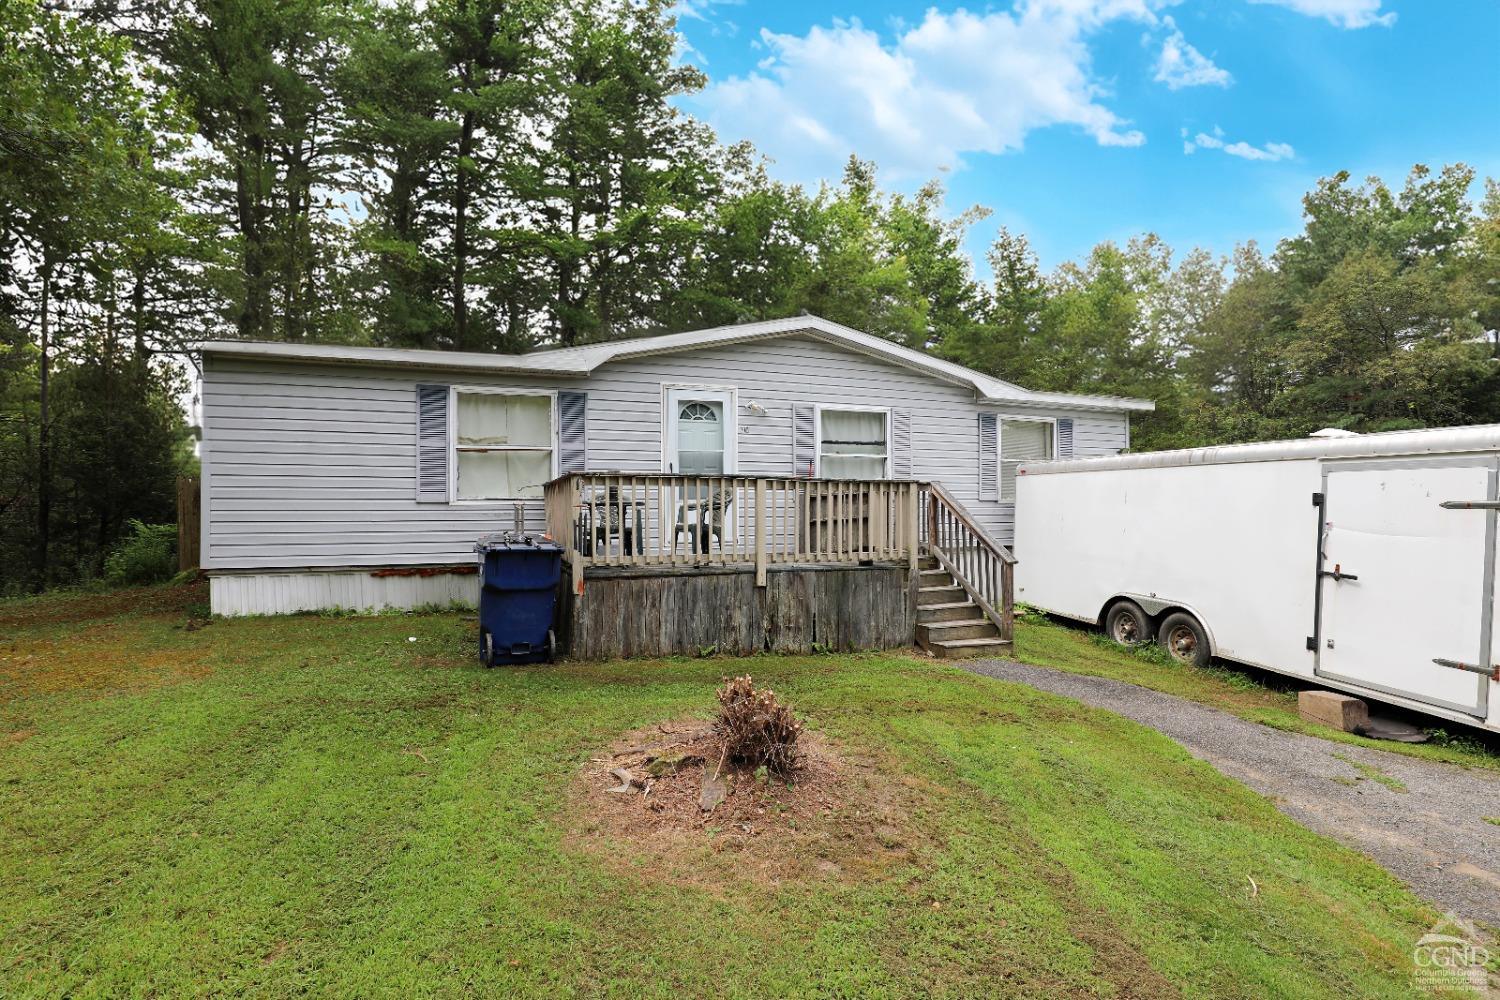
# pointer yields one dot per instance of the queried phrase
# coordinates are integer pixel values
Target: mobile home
(1365, 564)
(342, 476)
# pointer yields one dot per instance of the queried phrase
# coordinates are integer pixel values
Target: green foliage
(1373, 773)
(498, 175)
(147, 554)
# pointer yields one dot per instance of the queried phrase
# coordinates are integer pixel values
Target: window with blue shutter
(432, 444)
(989, 458)
(804, 440)
(572, 432)
(900, 444)
(1064, 437)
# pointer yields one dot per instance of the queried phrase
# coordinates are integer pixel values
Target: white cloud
(1344, 13)
(1180, 65)
(1270, 152)
(701, 11)
(955, 83)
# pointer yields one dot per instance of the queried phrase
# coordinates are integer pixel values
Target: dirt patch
(99, 658)
(838, 815)
(55, 609)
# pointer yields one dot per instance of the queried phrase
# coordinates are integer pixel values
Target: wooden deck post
(1008, 600)
(760, 532)
(913, 526)
(932, 518)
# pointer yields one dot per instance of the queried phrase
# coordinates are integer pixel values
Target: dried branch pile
(755, 729)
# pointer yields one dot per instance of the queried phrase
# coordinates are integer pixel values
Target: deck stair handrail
(983, 567)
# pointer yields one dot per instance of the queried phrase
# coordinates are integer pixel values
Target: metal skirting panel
(282, 593)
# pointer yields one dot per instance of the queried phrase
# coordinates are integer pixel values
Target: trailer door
(1404, 581)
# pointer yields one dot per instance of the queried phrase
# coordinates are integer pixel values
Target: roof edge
(584, 359)
(380, 357)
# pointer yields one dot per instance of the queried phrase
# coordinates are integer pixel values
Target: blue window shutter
(900, 444)
(432, 444)
(1064, 437)
(804, 440)
(572, 432)
(989, 458)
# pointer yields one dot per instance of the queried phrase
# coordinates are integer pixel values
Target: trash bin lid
(510, 541)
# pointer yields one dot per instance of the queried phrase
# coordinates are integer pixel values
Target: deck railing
(617, 519)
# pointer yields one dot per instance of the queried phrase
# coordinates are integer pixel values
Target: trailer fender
(1159, 608)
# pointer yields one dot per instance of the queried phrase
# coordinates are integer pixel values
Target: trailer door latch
(1493, 673)
(1337, 573)
(1317, 499)
(1470, 505)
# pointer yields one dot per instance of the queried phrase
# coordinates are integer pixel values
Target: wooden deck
(658, 565)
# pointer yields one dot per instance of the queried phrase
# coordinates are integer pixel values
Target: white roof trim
(580, 361)
(1434, 441)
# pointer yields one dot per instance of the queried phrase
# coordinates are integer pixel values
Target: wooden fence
(189, 522)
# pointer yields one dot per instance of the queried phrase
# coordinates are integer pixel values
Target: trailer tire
(1184, 639)
(1127, 624)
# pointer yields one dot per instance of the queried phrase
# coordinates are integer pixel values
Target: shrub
(755, 728)
(147, 554)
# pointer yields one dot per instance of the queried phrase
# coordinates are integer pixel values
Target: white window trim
(731, 422)
(494, 390)
(1000, 459)
(837, 408)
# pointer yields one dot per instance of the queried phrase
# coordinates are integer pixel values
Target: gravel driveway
(1432, 836)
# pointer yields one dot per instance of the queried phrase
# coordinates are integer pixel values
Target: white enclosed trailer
(1364, 564)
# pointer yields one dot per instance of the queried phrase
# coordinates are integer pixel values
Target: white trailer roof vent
(1333, 432)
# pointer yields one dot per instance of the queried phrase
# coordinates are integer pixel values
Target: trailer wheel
(1184, 639)
(1127, 624)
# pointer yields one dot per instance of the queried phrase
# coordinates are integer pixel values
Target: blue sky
(1079, 121)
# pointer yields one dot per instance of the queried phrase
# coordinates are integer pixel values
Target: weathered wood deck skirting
(626, 612)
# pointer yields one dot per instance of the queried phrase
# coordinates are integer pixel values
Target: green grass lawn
(1236, 690)
(352, 807)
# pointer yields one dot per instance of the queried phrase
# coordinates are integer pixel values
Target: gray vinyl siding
(309, 465)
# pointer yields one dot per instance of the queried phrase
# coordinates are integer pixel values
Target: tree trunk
(567, 331)
(250, 207)
(461, 232)
(44, 440)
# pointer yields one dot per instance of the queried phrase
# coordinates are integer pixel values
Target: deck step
(927, 596)
(970, 628)
(953, 649)
(947, 612)
(936, 578)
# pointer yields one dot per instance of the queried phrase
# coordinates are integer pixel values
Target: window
(503, 445)
(853, 444)
(1021, 441)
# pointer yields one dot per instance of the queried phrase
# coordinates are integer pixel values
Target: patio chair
(599, 522)
(702, 517)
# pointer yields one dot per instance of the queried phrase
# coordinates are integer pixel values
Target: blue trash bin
(517, 598)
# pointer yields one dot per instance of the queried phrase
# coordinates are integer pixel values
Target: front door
(1406, 580)
(699, 432)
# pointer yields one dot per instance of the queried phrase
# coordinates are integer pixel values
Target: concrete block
(1329, 708)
